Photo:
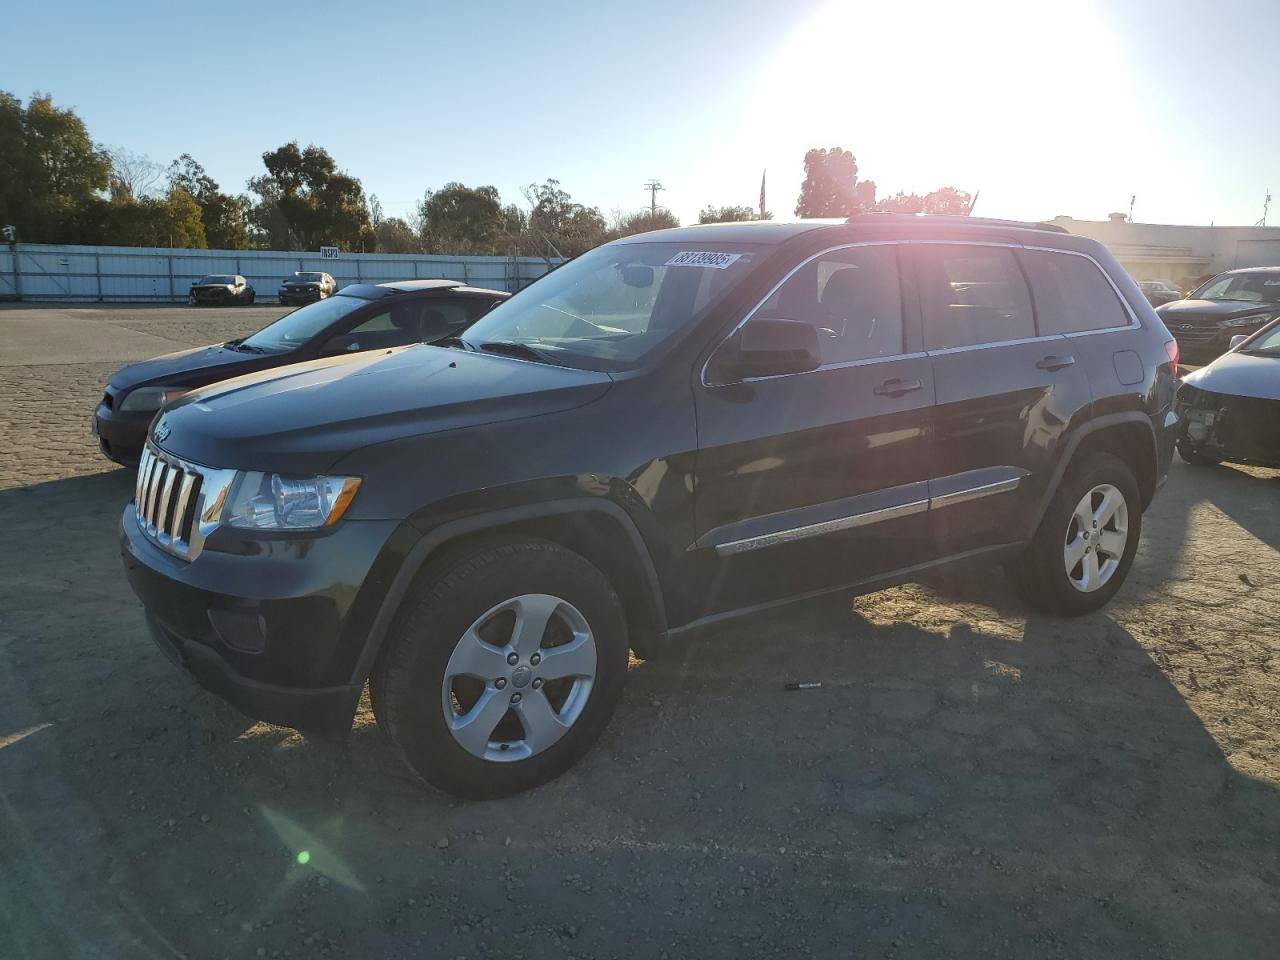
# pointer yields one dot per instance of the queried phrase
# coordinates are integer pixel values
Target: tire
(1041, 573)
(487, 591)
(1194, 457)
(252, 296)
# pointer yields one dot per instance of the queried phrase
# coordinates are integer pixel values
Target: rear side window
(854, 299)
(1071, 293)
(971, 296)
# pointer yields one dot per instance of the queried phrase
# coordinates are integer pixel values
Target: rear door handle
(896, 387)
(1055, 363)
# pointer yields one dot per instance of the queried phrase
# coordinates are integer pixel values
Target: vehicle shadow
(1251, 499)
(968, 780)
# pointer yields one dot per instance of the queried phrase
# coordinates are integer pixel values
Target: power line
(653, 186)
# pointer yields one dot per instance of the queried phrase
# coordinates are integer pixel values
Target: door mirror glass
(767, 347)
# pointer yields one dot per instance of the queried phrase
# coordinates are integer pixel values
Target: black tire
(1040, 572)
(1194, 457)
(408, 678)
(252, 295)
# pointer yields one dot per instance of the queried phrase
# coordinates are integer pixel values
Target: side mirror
(1238, 339)
(767, 347)
(342, 343)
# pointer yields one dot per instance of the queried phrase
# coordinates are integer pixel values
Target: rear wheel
(504, 670)
(1194, 457)
(1084, 547)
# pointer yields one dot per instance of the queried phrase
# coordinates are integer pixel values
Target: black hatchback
(361, 317)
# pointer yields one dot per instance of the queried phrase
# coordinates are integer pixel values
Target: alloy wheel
(1096, 538)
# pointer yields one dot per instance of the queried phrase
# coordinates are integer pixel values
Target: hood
(1213, 309)
(186, 368)
(302, 418)
(1240, 375)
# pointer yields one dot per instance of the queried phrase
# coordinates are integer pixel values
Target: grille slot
(165, 499)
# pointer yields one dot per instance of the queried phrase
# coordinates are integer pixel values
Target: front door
(809, 481)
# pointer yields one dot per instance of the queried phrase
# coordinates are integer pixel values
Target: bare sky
(1045, 106)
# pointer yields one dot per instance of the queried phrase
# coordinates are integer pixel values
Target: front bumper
(298, 296)
(274, 627)
(120, 435)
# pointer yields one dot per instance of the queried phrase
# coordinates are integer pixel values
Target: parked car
(221, 289)
(1235, 302)
(671, 430)
(1231, 408)
(1159, 292)
(307, 287)
(361, 317)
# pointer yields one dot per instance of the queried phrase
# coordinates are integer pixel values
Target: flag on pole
(762, 176)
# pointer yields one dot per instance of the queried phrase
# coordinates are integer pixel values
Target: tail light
(1171, 348)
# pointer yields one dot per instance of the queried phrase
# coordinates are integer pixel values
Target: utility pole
(1266, 205)
(653, 186)
(1132, 198)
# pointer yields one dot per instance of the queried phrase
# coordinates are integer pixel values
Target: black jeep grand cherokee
(673, 429)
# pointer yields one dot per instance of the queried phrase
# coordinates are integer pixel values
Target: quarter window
(971, 295)
(854, 299)
(1071, 293)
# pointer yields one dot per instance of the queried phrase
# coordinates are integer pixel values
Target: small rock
(442, 843)
(205, 818)
(1244, 578)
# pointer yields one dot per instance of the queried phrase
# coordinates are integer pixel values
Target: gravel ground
(971, 780)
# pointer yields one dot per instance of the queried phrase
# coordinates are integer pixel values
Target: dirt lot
(971, 780)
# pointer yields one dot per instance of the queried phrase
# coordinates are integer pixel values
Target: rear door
(813, 480)
(1006, 393)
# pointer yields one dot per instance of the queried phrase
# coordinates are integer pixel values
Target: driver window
(854, 299)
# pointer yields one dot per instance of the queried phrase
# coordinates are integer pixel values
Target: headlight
(1252, 320)
(150, 398)
(269, 501)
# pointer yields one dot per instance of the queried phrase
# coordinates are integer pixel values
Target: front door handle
(1055, 363)
(896, 387)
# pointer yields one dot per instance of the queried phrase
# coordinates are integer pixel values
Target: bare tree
(134, 175)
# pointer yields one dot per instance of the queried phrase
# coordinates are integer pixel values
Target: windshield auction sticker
(703, 258)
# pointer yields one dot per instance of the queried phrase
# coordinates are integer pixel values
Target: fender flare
(1068, 454)
(478, 523)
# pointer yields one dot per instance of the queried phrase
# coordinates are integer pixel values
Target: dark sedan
(361, 317)
(1231, 409)
(307, 287)
(222, 289)
(1159, 292)
(1235, 302)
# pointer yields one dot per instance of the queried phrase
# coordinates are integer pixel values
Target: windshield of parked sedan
(1245, 287)
(610, 307)
(309, 276)
(296, 328)
(218, 278)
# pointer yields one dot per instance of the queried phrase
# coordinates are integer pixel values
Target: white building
(1181, 254)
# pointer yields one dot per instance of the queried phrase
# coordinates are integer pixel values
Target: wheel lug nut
(513, 658)
(537, 683)
(536, 659)
(515, 698)
(500, 682)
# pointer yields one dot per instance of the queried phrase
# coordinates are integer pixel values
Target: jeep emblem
(162, 431)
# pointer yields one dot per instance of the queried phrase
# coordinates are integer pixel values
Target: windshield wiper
(522, 350)
(250, 348)
(455, 342)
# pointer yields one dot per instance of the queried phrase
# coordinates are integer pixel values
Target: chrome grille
(166, 499)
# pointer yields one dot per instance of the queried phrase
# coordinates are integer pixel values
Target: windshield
(611, 307)
(296, 328)
(1267, 341)
(309, 277)
(218, 278)
(1245, 287)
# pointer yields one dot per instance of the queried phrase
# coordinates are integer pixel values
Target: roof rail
(958, 220)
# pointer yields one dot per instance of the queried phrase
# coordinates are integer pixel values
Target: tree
(394, 233)
(642, 222)
(830, 187)
(946, 200)
(461, 220)
(49, 168)
(711, 214)
(172, 220)
(133, 175)
(315, 202)
(225, 217)
(569, 228)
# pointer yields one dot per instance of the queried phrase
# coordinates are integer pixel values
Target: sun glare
(1000, 96)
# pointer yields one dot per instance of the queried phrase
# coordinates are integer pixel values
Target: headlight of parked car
(1252, 320)
(150, 398)
(269, 501)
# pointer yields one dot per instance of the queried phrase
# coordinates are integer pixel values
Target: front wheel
(1085, 544)
(504, 670)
